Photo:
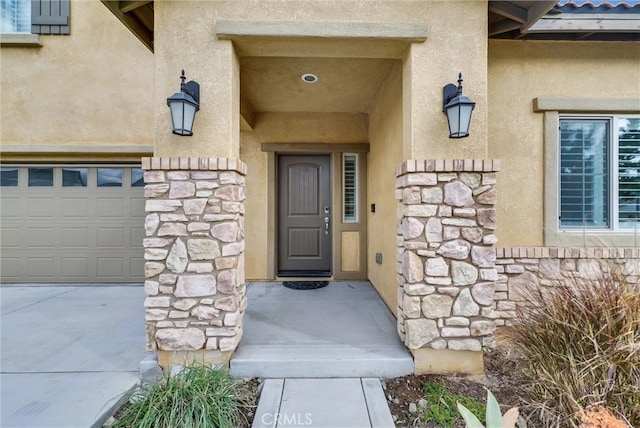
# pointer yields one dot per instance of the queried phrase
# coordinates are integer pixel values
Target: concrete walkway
(68, 353)
(323, 403)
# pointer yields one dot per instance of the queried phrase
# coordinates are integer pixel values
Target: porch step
(321, 362)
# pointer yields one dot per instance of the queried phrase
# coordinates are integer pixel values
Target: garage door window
(137, 177)
(40, 177)
(74, 177)
(109, 177)
(8, 177)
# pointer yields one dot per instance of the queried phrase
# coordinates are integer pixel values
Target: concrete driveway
(68, 353)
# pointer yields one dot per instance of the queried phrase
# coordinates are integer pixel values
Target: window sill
(593, 238)
(24, 40)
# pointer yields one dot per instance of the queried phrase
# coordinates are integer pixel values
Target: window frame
(554, 109)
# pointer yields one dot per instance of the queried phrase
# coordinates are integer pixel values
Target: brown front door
(304, 215)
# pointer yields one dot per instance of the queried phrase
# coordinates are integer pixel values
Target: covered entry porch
(341, 330)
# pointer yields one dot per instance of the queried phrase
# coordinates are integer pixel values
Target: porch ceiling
(345, 85)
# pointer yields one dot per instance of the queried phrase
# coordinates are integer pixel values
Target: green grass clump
(441, 405)
(197, 396)
(580, 343)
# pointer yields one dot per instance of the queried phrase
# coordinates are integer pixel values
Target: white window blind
(628, 172)
(350, 188)
(16, 16)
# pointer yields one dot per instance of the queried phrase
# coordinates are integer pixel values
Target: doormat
(305, 285)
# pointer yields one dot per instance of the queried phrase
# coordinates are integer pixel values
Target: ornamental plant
(493, 416)
(580, 343)
(197, 396)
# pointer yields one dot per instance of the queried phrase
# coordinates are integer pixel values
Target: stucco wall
(456, 42)
(331, 128)
(385, 137)
(91, 88)
(520, 71)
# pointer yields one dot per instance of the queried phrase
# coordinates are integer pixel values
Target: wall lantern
(458, 109)
(183, 106)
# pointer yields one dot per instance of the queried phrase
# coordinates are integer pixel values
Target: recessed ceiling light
(309, 78)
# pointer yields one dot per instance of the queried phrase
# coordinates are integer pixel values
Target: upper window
(15, 16)
(35, 16)
(599, 173)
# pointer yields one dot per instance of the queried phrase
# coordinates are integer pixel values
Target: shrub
(581, 347)
(197, 396)
(441, 405)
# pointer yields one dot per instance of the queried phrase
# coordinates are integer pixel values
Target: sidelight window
(350, 188)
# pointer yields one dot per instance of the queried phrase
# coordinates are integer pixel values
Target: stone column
(194, 253)
(446, 261)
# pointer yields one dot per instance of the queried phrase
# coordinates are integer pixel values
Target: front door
(304, 215)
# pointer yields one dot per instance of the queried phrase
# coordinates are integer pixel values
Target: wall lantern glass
(458, 109)
(183, 106)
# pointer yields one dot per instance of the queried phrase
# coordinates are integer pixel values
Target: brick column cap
(448, 165)
(194, 164)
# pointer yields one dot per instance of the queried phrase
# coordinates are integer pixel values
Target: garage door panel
(11, 235)
(74, 267)
(9, 268)
(110, 237)
(110, 207)
(72, 234)
(110, 267)
(10, 207)
(40, 237)
(136, 265)
(136, 236)
(137, 207)
(75, 237)
(41, 268)
(40, 207)
(75, 207)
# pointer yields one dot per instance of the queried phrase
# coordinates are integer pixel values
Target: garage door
(71, 223)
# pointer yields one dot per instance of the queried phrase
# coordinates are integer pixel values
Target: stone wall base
(168, 359)
(447, 361)
(521, 269)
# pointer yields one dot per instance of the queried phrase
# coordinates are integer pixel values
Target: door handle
(326, 225)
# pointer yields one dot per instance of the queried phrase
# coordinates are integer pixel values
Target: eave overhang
(137, 16)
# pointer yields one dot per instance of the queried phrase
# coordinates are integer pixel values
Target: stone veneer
(446, 259)
(522, 268)
(194, 257)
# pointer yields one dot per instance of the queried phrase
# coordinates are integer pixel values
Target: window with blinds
(349, 188)
(599, 173)
(15, 16)
(35, 16)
